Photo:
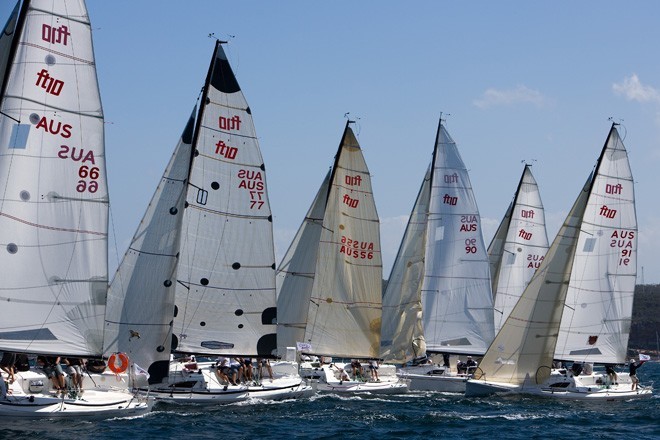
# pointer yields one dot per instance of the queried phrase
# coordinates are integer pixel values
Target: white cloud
(633, 90)
(520, 94)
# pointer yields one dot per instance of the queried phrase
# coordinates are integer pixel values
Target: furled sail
(53, 194)
(596, 319)
(456, 294)
(345, 306)
(141, 295)
(402, 335)
(518, 247)
(295, 275)
(225, 290)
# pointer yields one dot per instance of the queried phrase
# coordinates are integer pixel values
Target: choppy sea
(409, 416)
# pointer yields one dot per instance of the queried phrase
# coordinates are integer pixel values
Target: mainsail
(524, 348)
(518, 247)
(225, 288)
(295, 275)
(456, 295)
(597, 315)
(141, 295)
(53, 194)
(345, 306)
(438, 297)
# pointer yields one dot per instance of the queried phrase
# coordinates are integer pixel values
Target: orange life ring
(123, 363)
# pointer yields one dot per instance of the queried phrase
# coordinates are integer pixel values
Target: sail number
(85, 172)
(470, 245)
(623, 240)
(356, 248)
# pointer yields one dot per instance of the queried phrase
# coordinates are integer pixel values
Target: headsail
(345, 305)
(141, 296)
(225, 290)
(456, 295)
(402, 335)
(54, 196)
(518, 247)
(295, 275)
(596, 319)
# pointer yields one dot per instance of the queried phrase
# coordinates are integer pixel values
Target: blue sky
(521, 80)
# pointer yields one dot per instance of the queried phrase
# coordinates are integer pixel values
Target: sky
(516, 81)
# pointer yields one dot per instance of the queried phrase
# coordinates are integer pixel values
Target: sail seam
(52, 228)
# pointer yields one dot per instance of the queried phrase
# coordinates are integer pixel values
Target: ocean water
(410, 416)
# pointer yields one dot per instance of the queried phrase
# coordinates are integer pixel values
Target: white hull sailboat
(199, 275)
(438, 299)
(585, 256)
(329, 282)
(53, 211)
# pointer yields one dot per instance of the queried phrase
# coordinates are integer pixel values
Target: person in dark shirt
(633, 372)
(7, 365)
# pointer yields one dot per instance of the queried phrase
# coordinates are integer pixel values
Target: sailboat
(518, 247)
(439, 299)
(595, 251)
(199, 276)
(329, 298)
(54, 210)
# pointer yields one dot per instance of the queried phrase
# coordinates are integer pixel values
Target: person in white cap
(633, 372)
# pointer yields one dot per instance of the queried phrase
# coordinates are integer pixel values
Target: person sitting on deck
(221, 370)
(74, 370)
(611, 375)
(265, 363)
(7, 364)
(356, 369)
(470, 365)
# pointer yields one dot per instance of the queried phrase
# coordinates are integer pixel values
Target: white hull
(31, 396)
(202, 386)
(433, 378)
(329, 380)
(563, 385)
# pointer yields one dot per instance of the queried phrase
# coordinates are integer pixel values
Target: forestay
(345, 306)
(225, 290)
(53, 194)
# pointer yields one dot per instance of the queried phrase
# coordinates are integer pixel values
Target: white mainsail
(402, 335)
(295, 275)
(524, 348)
(53, 194)
(597, 315)
(518, 247)
(225, 289)
(456, 294)
(141, 295)
(345, 305)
